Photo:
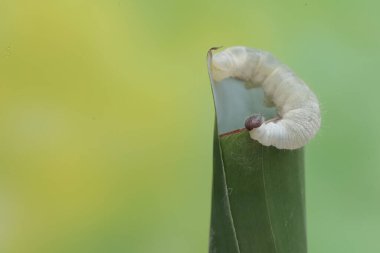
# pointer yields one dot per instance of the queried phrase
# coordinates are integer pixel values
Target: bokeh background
(106, 119)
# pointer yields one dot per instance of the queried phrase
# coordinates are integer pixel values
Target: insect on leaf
(258, 198)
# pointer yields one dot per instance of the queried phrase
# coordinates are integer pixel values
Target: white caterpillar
(298, 110)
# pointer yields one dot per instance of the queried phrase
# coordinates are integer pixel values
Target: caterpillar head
(254, 121)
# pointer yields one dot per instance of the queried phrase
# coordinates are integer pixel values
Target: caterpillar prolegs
(297, 107)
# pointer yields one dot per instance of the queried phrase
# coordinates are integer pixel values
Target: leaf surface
(258, 197)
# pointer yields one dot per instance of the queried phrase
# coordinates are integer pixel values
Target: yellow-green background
(106, 119)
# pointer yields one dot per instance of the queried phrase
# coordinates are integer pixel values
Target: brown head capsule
(254, 121)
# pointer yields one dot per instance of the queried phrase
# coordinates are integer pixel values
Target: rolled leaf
(258, 195)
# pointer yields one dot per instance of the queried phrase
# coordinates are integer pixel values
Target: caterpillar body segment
(297, 106)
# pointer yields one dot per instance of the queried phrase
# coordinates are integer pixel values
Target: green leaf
(258, 196)
(258, 202)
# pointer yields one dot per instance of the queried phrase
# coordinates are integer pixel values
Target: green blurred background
(106, 119)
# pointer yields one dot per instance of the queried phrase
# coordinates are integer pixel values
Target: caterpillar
(298, 118)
